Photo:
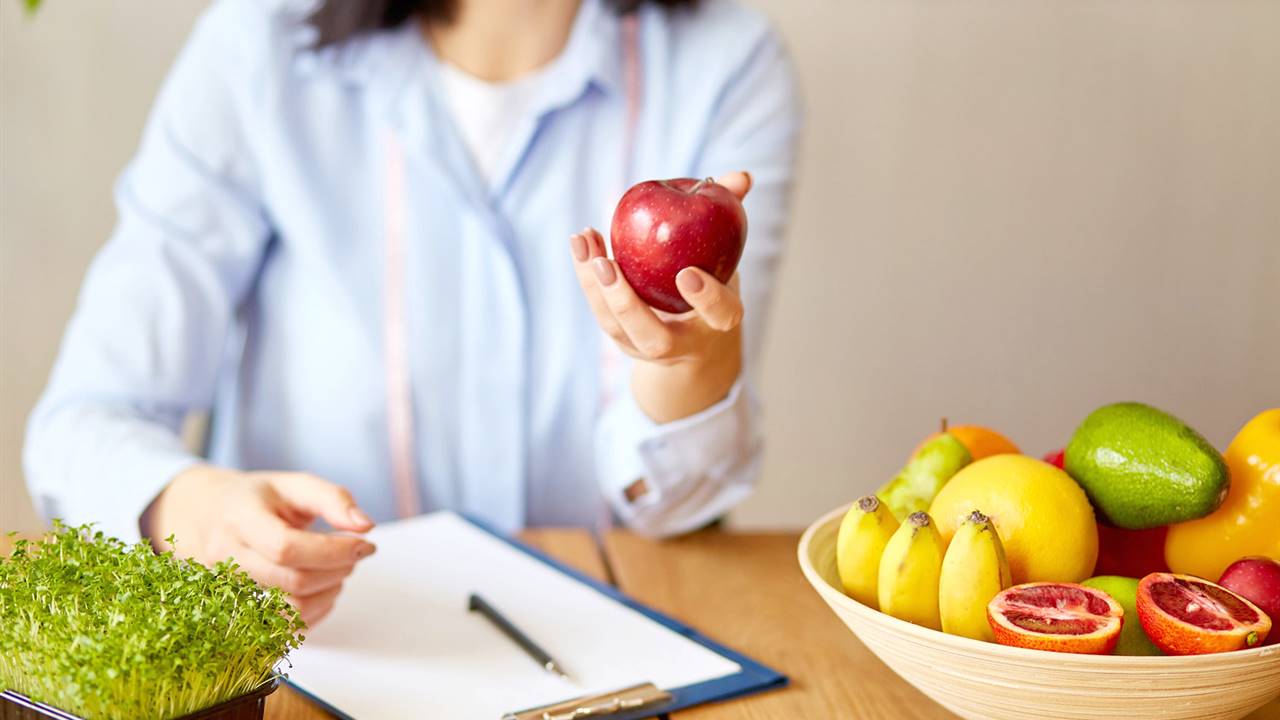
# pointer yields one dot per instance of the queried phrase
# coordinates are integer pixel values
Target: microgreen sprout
(111, 631)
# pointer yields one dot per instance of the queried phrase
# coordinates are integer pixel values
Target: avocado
(1142, 467)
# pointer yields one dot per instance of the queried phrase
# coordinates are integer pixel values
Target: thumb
(321, 498)
(717, 304)
(739, 183)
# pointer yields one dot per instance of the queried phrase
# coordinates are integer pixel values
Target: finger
(321, 498)
(717, 304)
(295, 516)
(313, 608)
(282, 544)
(739, 183)
(295, 581)
(647, 332)
(586, 246)
(594, 243)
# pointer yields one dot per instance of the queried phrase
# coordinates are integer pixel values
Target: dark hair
(339, 20)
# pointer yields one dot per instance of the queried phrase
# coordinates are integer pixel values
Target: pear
(915, 485)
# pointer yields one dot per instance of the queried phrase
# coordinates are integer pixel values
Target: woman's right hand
(260, 519)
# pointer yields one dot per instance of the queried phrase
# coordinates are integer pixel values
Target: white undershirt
(488, 114)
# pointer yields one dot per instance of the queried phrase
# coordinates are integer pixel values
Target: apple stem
(700, 184)
(943, 423)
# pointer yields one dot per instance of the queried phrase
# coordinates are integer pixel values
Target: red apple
(661, 227)
(1056, 458)
(1258, 580)
(1130, 553)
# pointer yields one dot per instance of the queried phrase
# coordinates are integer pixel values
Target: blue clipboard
(753, 678)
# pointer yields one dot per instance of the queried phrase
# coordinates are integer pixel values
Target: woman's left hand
(685, 363)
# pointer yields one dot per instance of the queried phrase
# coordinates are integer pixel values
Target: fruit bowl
(981, 680)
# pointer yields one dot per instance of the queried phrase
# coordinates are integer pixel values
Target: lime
(1124, 590)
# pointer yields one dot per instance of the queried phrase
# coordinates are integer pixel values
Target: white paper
(401, 643)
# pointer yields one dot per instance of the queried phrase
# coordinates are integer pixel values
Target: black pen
(478, 604)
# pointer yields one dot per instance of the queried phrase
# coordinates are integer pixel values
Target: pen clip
(596, 706)
(607, 707)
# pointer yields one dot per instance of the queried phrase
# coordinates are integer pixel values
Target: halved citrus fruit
(1187, 615)
(1062, 617)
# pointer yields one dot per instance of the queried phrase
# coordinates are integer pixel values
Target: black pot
(16, 706)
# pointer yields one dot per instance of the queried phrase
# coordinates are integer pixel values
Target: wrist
(670, 391)
(176, 500)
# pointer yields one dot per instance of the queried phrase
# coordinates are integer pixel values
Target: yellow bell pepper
(1248, 522)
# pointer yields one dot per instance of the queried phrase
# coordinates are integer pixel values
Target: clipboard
(621, 703)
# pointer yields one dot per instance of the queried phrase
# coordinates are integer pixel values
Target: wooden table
(746, 591)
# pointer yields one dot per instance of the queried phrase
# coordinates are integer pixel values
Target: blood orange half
(1187, 615)
(1062, 617)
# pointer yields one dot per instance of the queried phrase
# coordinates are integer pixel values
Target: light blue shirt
(246, 276)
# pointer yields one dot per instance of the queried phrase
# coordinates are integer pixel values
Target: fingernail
(604, 271)
(689, 282)
(358, 517)
(751, 181)
(578, 244)
(364, 550)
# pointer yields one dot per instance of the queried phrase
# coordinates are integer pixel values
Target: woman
(344, 235)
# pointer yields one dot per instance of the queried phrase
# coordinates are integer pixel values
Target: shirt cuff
(151, 475)
(695, 468)
(111, 479)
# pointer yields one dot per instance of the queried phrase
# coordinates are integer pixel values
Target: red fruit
(661, 227)
(1056, 458)
(1256, 579)
(1062, 617)
(1130, 553)
(1187, 615)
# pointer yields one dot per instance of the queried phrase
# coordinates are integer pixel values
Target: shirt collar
(595, 46)
(363, 60)
(593, 53)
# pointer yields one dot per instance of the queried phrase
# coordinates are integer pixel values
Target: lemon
(1042, 516)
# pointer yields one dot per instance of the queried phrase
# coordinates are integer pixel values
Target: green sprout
(111, 631)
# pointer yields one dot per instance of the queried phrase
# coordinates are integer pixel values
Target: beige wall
(76, 82)
(1009, 212)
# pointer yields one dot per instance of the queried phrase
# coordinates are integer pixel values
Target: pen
(478, 604)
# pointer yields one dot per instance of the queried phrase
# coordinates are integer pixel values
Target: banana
(909, 571)
(974, 570)
(863, 533)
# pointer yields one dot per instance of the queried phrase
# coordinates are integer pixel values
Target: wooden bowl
(984, 681)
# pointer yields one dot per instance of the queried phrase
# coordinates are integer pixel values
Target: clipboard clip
(596, 706)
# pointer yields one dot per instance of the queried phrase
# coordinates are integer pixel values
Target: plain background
(1009, 212)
